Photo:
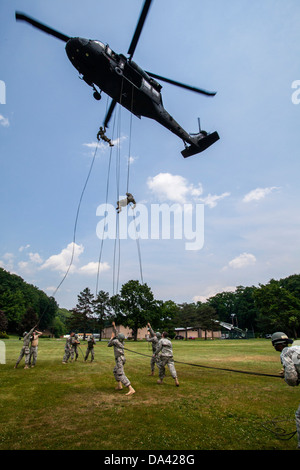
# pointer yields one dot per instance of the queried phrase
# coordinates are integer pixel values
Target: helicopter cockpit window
(99, 43)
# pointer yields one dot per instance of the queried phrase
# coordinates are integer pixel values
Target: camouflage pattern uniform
(90, 348)
(68, 349)
(25, 351)
(34, 349)
(154, 340)
(74, 344)
(164, 347)
(290, 359)
(118, 371)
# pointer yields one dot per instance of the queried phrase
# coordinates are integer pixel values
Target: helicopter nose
(75, 46)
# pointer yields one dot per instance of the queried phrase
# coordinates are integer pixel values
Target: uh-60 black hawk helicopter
(125, 82)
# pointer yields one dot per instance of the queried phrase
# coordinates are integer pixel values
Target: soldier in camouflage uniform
(90, 348)
(154, 338)
(25, 351)
(165, 358)
(68, 348)
(290, 359)
(74, 344)
(116, 341)
(34, 348)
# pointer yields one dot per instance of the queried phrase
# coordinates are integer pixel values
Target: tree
(102, 309)
(3, 322)
(206, 316)
(136, 306)
(278, 308)
(29, 320)
(82, 314)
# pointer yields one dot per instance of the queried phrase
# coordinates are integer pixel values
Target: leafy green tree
(14, 306)
(102, 309)
(82, 314)
(278, 308)
(136, 306)
(3, 322)
(28, 321)
(206, 316)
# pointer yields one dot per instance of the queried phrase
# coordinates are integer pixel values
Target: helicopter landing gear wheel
(97, 95)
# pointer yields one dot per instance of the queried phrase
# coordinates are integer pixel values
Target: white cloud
(176, 188)
(92, 268)
(61, 262)
(242, 261)
(22, 248)
(35, 258)
(173, 188)
(4, 121)
(258, 193)
(212, 291)
(211, 201)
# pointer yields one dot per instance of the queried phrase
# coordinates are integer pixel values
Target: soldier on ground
(154, 339)
(116, 341)
(90, 348)
(165, 358)
(25, 351)
(290, 360)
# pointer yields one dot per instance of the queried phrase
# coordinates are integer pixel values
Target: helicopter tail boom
(202, 143)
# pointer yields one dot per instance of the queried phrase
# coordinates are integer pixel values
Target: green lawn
(75, 406)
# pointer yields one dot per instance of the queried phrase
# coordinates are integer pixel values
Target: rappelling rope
(74, 231)
(212, 367)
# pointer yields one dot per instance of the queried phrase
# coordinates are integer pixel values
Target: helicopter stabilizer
(203, 142)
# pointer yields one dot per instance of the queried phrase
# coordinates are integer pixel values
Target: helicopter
(125, 82)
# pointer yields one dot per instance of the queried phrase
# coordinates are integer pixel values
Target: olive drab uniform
(90, 348)
(154, 341)
(118, 371)
(290, 359)
(165, 358)
(25, 351)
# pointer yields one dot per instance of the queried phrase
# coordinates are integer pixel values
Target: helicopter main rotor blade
(41, 26)
(139, 28)
(182, 85)
(109, 113)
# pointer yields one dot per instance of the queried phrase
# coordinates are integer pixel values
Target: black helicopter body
(125, 82)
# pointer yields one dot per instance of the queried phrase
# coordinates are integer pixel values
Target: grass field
(75, 406)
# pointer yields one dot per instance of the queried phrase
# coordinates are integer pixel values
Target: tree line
(274, 306)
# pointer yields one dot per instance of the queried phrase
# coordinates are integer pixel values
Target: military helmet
(280, 337)
(121, 337)
(24, 334)
(158, 334)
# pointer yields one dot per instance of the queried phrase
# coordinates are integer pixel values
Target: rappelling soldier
(124, 202)
(116, 341)
(101, 135)
(290, 360)
(164, 357)
(153, 339)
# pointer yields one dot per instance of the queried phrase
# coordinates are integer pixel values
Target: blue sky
(247, 51)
